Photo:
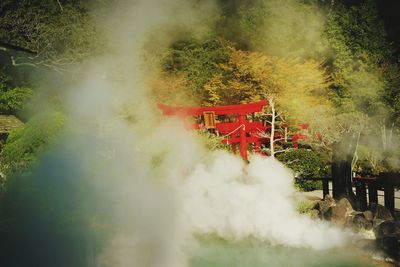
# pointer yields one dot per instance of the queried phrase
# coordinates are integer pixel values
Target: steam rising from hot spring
(157, 182)
(218, 193)
(236, 201)
(191, 191)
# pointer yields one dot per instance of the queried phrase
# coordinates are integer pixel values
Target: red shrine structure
(238, 132)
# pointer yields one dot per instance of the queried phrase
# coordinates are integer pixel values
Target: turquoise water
(213, 252)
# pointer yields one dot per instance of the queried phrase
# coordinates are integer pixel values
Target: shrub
(25, 144)
(305, 163)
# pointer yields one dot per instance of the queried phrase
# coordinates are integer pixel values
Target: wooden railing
(366, 188)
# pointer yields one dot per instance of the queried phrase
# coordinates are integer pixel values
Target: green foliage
(307, 207)
(283, 27)
(198, 61)
(61, 34)
(360, 55)
(365, 79)
(213, 141)
(357, 34)
(218, 74)
(24, 145)
(391, 94)
(14, 100)
(307, 185)
(308, 164)
(4, 79)
(305, 162)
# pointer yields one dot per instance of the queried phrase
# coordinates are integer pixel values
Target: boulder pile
(376, 218)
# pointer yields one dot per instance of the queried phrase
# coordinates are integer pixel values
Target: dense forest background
(335, 58)
(331, 64)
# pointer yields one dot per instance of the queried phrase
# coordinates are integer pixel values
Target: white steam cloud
(163, 186)
(237, 201)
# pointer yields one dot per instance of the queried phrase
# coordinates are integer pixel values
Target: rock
(360, 222)
(378, 218)
(387, 238)
(380, 212)
(323, 206)
(376, 222)
(368, 215)
(385, 228)
(340, 214)
(390, 245)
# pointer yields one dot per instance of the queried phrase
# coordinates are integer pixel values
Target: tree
(62, 35)
(363, 74)
(216, 73)
(194, 61)
(306, 163)
(295, 89)
(283, 27)
(24, 145)
(357, 38)
(12, 99)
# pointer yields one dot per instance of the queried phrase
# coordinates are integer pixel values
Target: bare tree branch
(14, 63)
(59, 4)
(44, 63)
(292, 161)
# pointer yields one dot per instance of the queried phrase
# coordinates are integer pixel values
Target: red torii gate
(242, 124)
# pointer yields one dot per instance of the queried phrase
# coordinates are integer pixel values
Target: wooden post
(242, 136)
(325, 186)
(373, 192)
(342, 156)
(388, 180)
(389, 197)
(361, 195)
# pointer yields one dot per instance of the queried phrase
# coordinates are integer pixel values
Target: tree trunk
(342, 156)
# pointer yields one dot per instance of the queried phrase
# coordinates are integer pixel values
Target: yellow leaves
(212, 88)
(172, 90)
(297, 86)
(227, 92)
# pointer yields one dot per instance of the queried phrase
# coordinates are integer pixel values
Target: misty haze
(187, 133)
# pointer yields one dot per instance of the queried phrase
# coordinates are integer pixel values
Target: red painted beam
(218, 110)
(236, 140)
(250, 127)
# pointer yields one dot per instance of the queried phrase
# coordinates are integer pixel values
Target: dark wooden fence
(366, 188)
(343, 181)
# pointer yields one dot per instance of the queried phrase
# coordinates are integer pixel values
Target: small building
(7, 124)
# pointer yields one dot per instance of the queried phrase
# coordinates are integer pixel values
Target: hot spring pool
(213, 252)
